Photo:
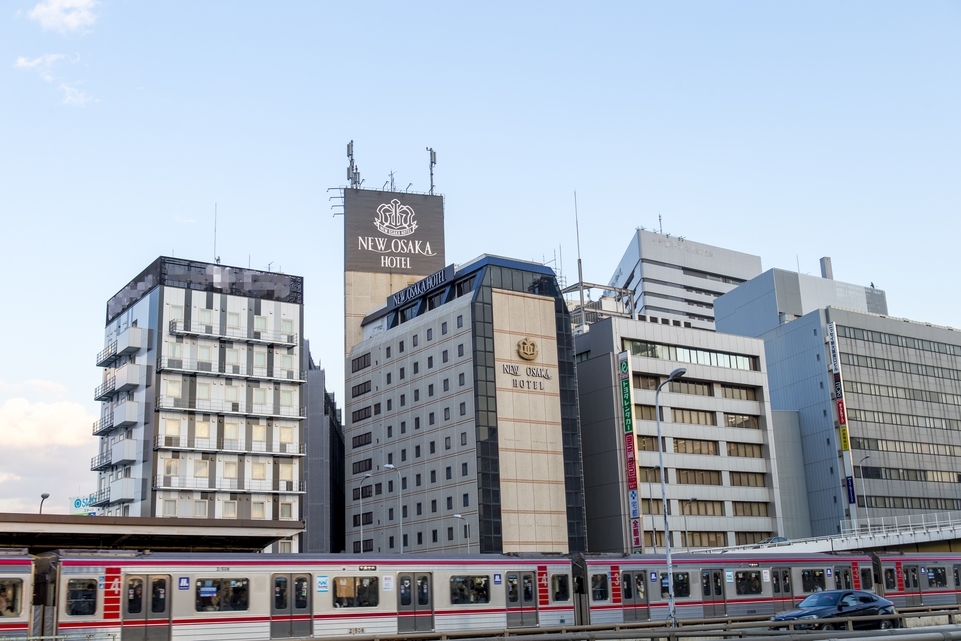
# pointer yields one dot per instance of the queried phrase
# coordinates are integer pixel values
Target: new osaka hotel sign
(393, 232)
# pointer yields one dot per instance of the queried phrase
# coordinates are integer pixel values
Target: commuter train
(161, 597)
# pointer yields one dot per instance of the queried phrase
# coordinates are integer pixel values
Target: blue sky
(789, 130)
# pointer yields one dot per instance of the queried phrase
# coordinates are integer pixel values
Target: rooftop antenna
(391, 174)
(660, 225)
(580, 271)
(216, 257)
(433, 161)
(353, 171)
(409, 185)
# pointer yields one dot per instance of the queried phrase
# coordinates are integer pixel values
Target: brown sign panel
(387, 231)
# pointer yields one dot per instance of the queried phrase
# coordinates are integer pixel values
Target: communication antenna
(391, 174)
(433, 161)
(660, 225)
(216, 258)
(353, 171)
(580, 271)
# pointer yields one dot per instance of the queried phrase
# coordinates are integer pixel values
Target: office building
(876, 396)
(202, 397)
(461, 417)
(674, 281)
(719, 458)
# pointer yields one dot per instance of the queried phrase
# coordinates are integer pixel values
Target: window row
(907, 393)
(203, 468)
(234, 393)
(689, 355)
(200, 509)
(910, 447)
(211, 318)
(903, 367)
(415, 339)
(174, 428)
(899, 341)
(909, 420)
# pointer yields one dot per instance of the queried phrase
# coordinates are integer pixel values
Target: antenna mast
(216, 257)
(580, 272)
(433, 161)
(353, 171)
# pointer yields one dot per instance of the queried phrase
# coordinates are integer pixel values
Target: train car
(161, 597)
(626, 589)
(16, 586)
(920, 579)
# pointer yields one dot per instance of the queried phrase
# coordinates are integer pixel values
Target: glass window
(286, 435)
(682, 584)
(257, 510)
(233, 319)
(937, 577)
(812, 580)
(230, 509)
(134, 595)
(260, 396)
(174, 389)
(747, 582)
(200, 509)
(599, 590)
(172, 427)
(260, 323)
(218, 595)
(170, 507)
(202, 429)
(203, 353)
(81, 597)
(176, 312)
(171, 467)
(356, 592)
(258, 471)
(11, 597)
(287, 326)
(469, 589)
(561, 587)
(201, 469)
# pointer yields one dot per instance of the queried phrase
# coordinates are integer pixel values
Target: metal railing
(163, 482)
(188, 365)
(228, 407)
(162, 441)
(901, 524)
(104, 390)
(101, 461)
(107, 354)
(104, 424)
(233, 333)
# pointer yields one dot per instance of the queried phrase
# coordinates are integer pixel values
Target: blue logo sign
(323, 585)
(498, 579)
(849, 480)
(183, 583)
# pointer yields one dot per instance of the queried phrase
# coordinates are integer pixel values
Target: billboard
(393, 232)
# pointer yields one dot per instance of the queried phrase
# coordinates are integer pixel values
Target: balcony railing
(98, 499)
(101, 461)
(104, 390)
(105, 424)
(229, 407)
(163, 482)
(187, 365)
(179, 327)
(162, 441)
(108, 355)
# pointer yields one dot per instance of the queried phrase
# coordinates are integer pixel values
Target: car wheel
(888, 624)
(826, 626)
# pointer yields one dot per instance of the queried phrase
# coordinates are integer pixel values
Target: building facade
(461, 417)
(202, 396)
(877, 397)
(721, 471)
(675, 281)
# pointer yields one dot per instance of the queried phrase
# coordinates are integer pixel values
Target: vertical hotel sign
(842, 413)
(627, 411)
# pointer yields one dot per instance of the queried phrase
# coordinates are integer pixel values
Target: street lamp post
(650, 505)
(687, 533)
(366, 476)
(43, 497)
(671, 612)
(464, 519)
(400, 502)
(864, 492)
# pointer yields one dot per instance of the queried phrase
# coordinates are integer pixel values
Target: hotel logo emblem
(527, 349)
(394, 219)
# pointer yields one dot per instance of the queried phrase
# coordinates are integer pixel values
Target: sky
(789, 130)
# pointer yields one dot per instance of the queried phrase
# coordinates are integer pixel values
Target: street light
(43, 497)
(671, 612)
(366, 476)
(650, 505)
(864, 491)
(464, 519)
(687, 534)
(400, 502)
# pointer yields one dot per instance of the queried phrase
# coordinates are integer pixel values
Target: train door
(634, 596)
(842, 577)
(290, 611)
(867, 577)
(146, 608)
(712, 593)
(415, 603)
(521, 600)
(912, 585)
(783, 589)
(957, 582)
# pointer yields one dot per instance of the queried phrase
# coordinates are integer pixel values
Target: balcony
(242, 371)
(105, 390)
(124, 452)
(123, 415)
(237, 334)
(162, 482)
(162, 441)
(130, 341)
(122, 491)
(228, 407)
(102, 461)
(99, 499)
(126, 378)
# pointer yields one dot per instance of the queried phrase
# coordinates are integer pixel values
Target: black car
(833, 604)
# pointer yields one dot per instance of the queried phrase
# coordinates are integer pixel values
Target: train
(144, 596)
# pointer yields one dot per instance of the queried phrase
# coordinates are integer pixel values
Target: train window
(11, 593)
(937, 577)
(682, 584)
(561, 587)
(957, 576)
(469, 589)
(890, 582)
(599, 587)
(627, 587)
(911, 577)
(81, 597)
(356, 592)
(280, 593)
(217, 595)
(423, 591)
(812, 580)
(867, 579)
(134, 595)
(776, 582)
(512, 588)
(405, 598)
(747, 582)
(639, 585)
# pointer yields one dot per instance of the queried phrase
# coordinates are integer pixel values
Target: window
(403, 400)
(443, 356)
(258, 471)
(172, 427)
(741, 393)
(215, 595)
(286, 510)
(446, 384)
(260, 323)
(447, 443)
(750, 450)
(403, 427)
(230, 431)
(202, 429)
(260, 396)
(230, 469)
(175, 350)
(463, 438)
(430, 390)
(81, 597)
(460, 321)
(284, 547)
(433, 447)
(177, 312)
(258, 434)
(233, 320)
(741, 420)
(359, 389)
(287, 326)
(417, 483)
(430, 418)
(388, 378)
(430, 334)
(174, 389)
(443, 328)
(359, 467)
(200, 509)
(450, 501)
(561, 587)
(812, 580)
(420, 538)
(746, 508)
(460, 379)
(692, 387)
(230, 509)
(433, 536)
(414, 340)
(285, 471)
(463, 469)
(416, 367)
(682, 584)
(231, 393)
(430, 362)
(402, 374)
(449, 472)
(698, 477)
(257, 510)
(376, 409)
(450, 534)
(747, 582)
(361, 414)
(599, 590)
(233, 357)
(420, 509)
(171, 467)
(692, 446)
(433, 476)
(286, 435)
(417, 451)
(361, 362)
(361, 439)
(390, 431)
(694, 417)
(201, 469)
(463, 409)
(389, 404)
(466, 500)
(403, 454)
(469, 589)
(260, 358)
(446, 413)
(400, 349)
(416, 395)
(286, 398)
(747, 479)
(170, 508)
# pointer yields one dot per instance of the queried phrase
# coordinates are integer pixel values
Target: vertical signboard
(842, 415)
(393, 232)
(627, 411)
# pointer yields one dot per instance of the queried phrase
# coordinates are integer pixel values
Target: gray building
(202, 396)
(461, 422)
(877, 412)
(675, 280)
(722, 479)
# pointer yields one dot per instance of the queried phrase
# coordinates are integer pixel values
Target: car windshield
(822, 600)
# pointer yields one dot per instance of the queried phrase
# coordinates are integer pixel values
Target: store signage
(388, 232)
(627, 400)
(527, 349)
(635, 504)
(636, 533)
(849, 480)
(845, 438)
(436, 280)
(631, 461)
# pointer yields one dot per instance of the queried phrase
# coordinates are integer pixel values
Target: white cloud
(25, 425)
(7, 476)
(34, 386)
(42, 65)
(65, 15)
(75, 97)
